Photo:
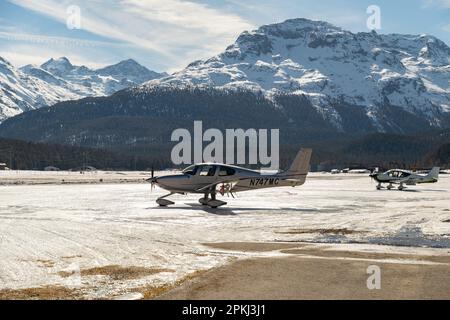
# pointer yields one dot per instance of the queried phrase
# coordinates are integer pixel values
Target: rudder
(300, 166)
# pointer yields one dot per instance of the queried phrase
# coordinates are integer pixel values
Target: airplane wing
(233, 182)
(291, 178)
(215, 184)
(408, 181)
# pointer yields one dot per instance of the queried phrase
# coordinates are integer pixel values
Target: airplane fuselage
(403, 177)
(211, 179)
(241, 178)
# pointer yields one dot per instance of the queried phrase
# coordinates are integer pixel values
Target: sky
(167, 35)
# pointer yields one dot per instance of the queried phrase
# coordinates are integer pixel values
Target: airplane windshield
(225, 171)
(191, 170)
(208, 171)
(406, 174)
(399, 174)
(394, 174)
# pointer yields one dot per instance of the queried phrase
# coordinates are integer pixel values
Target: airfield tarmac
(106, 240)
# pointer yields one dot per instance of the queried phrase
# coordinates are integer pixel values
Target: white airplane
(403, 177)
(210, 179)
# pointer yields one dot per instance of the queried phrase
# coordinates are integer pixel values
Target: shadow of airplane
(223, 211)
(193, 206)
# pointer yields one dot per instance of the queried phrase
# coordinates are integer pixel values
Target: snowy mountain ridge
(331, 66)
(31, 87)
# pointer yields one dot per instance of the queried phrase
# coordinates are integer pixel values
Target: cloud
(444, 3)
(172, 29)
(446, 28)
(24, 48)
(52, 40)
(438, 3)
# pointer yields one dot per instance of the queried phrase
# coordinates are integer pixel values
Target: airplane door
(207, 174)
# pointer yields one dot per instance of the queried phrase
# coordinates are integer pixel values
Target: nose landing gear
(164, 202)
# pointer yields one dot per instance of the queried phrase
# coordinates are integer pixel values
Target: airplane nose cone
(152, 180)
(170, 182)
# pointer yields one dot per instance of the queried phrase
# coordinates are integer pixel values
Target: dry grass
(151, 292)
(66, 274)
(41, 293)
(46, 263)
(72, 257)
(119, 273)
(114, 272)
(342, 231)
(251, 246)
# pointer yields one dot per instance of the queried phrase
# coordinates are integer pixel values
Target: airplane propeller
(373, 175)
(153, 179)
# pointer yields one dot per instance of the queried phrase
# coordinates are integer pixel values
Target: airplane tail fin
(300, 167)
(434, 173)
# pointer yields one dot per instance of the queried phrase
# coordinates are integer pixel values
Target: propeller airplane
(211, 179)
(404, 177)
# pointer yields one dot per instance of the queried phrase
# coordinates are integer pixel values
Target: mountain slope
(131, 70)
(21, 92)
(32, 87)
(99, 82)
(333, 66)
(313, 81)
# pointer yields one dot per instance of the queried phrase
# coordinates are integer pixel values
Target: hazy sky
(166, 35)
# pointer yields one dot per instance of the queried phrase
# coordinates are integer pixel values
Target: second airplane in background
(404, 178)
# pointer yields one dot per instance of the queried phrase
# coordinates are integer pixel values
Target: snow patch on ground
(47, 229)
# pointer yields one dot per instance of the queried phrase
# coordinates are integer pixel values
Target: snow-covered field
(18, 177)
(50, 231)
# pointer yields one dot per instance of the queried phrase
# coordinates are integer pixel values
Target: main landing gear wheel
(216, 203)
(204, 201)
(213, 202)
(379, 187)
(390, 187)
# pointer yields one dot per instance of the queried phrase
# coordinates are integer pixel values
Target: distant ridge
(32, 87)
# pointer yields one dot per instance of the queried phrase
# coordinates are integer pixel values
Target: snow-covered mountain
(32, 87)
(332, 66)
(99, 82)
(310, 79)
(20, 91)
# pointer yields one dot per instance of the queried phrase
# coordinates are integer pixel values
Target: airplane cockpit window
(404, 174)
(191, 170)
(208, 171)
(394, 174)
(225, 171)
